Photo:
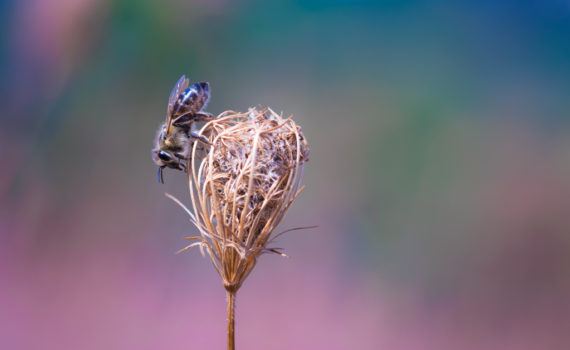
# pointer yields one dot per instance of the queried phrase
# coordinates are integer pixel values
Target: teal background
(439, 173)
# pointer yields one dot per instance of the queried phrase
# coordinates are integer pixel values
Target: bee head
(164, 156)
(166, 160)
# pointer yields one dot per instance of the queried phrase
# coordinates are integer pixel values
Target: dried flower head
(241, 186)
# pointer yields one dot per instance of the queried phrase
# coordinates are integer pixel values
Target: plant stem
(231, 295)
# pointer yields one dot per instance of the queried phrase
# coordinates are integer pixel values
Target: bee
(176, 135)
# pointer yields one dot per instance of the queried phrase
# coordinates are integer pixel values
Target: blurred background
(439, 173)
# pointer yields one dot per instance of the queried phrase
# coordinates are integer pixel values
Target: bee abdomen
(194, 98)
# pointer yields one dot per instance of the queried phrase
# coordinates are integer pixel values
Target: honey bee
(176, 135)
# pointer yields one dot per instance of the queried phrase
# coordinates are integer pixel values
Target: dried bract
(242, 185)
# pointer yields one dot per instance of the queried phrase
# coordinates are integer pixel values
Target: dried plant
(241, 186)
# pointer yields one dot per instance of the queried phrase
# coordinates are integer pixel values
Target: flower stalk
(231, 319)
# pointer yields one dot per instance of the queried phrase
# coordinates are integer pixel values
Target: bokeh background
(439, 173)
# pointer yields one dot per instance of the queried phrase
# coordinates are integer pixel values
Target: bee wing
(198, 97)
(204, 87)
(180, 86)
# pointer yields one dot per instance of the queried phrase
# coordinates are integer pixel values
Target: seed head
(242, 185)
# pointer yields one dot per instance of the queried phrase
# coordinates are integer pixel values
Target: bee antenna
(159, 175)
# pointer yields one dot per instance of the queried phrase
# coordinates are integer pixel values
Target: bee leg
(159, 175)
(200, 137)
(203, 116)
(181, 161)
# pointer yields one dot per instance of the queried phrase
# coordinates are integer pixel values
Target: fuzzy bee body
(176, 135)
